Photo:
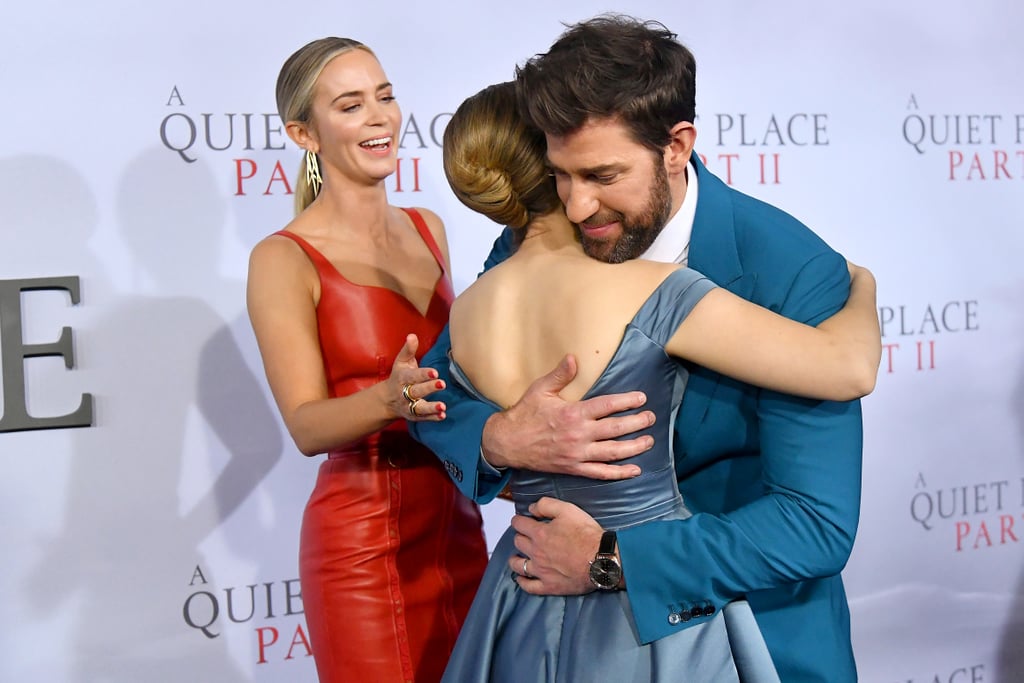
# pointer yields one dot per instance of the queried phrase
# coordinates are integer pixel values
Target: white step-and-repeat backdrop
(150, 516)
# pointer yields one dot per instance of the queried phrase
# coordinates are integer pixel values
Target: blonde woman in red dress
(343, 301)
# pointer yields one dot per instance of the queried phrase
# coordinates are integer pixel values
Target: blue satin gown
(511, 636)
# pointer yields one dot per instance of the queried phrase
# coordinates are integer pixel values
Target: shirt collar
(672, 245)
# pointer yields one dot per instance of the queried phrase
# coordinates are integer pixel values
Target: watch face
(605, 573)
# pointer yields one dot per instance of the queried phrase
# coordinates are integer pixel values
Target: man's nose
(580, 202)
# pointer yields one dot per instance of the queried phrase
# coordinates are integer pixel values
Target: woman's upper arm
(752, 344)
(279, 298)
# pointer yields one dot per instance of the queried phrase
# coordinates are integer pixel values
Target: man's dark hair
(611, 66)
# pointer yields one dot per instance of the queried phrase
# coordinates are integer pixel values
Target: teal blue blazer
(774, 480)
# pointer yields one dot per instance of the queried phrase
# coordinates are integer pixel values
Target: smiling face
(615, 190)
(355, 119)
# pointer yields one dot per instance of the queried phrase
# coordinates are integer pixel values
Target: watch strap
(608, 541)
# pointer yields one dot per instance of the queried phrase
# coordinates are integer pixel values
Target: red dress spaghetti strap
(390, 553)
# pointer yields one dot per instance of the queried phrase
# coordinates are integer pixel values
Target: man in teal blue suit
(774, 480)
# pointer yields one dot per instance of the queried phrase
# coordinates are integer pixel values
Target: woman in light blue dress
(627, 326)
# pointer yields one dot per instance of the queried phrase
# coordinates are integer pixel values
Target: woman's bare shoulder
(436, 227)
(654, 270)
(638, 277)
(434, 221)
(278, 255)
(483, 290)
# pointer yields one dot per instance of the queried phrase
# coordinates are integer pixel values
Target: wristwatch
(605, 570)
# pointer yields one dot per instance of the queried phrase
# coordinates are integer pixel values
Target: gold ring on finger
(405, 393)
(412, 407)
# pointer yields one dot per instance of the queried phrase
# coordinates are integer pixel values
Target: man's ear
(677, 152)
(302, 136)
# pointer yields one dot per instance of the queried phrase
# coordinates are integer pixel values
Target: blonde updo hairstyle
(495, 162)
(296, 86)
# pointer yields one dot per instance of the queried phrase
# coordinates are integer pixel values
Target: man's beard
(638, 231)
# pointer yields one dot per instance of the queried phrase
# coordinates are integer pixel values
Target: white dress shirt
(672, 245)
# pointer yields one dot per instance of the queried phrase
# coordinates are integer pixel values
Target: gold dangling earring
(313, 177)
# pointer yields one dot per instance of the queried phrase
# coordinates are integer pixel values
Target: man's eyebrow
(600, 169)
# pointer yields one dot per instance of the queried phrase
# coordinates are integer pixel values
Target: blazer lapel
(713, 253)
(713, 249)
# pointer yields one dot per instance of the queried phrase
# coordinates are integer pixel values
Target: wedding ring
(405, 393)
(524, 572)
(412, 407)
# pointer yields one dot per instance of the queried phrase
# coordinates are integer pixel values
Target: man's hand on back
(543, 432)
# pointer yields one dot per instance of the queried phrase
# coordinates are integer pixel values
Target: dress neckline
(424, 234)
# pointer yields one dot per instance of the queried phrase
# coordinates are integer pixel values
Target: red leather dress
(390, 553)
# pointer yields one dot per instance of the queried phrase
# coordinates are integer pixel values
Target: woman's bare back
(518, 320)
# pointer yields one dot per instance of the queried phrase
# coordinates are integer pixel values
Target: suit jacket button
(709, 610)
(453, 470)
(696, 612)
(674, 618)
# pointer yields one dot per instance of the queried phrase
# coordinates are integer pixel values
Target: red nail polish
(439, 384)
